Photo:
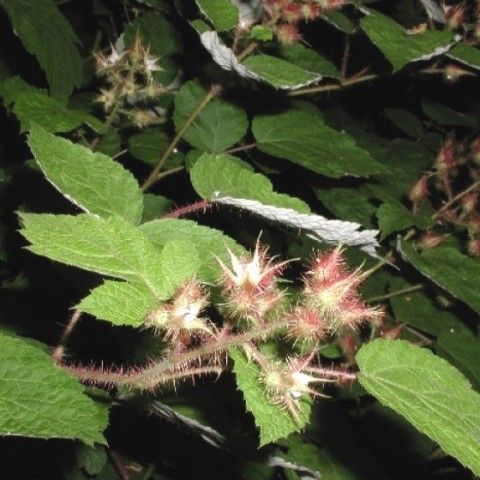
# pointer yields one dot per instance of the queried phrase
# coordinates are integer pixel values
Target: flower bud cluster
(284, 16)
(329, 305)
(131, 87)
(454, 181)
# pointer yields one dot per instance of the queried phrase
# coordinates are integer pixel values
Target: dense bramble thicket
(239, 239)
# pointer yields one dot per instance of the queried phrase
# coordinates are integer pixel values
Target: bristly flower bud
(445, 159)
(469, 203)
(287, 34)
(287, 382)
(182, 314)
(311, 11)
(474, 247)
(306, 324)
(292, 12)
(332, 289)
(417, 29)
(475, 150)
(430, 240)
(452, 73)
(454, 15)
(418, 192)
(250, 286)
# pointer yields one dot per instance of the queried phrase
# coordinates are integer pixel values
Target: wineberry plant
(240, 239)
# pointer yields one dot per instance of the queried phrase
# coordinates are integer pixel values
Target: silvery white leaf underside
(317, 227)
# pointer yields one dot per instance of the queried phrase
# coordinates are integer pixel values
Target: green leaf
(92, 459)
(218, 126)
(148, 147)
(222, 13)
(302, 137)
(421, 312)
(154, 206)
(13, 87)
(339, 20)
(33, 106)
(209, 242)
(179, 261)
(162, 39)
(110, 144)
(406, 121)
(309, 60)
(45, 33)
(450, 269)
(221, 173)
(278, 72)
(39, 399)
(273, 421)
(393, 217)
(91, 180)
(466, 54)
(352, 204)
(444, 115)
(109, 246)
(320, 461)
(120, 303)
(464, 350)
(430, 393)
(398, 47)
(262, 33)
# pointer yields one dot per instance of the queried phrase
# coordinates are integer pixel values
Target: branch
(152, 178)
(332, 87)
(168, 369)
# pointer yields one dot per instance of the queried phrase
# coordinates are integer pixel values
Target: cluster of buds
(250, 286)
(283, 16)
(131, 87)
(458, 201)
(179, 320)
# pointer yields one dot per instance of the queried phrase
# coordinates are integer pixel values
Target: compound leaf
(110, 247)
